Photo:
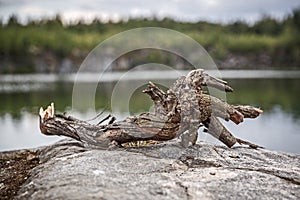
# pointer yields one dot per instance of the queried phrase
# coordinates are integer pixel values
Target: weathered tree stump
(180, 111)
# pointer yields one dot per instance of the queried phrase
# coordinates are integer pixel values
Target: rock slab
(163, 171)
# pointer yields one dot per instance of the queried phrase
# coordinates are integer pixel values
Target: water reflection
(22, 132)
(267, 93)
(277, 129)
(274, 130)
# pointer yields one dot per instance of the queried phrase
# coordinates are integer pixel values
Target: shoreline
(99, 76)
(48, 62)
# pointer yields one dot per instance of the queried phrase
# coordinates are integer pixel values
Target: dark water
(278, 128)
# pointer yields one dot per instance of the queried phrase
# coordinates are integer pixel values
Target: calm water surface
(278, 128)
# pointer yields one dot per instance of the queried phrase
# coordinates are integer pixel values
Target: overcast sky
(186, 10)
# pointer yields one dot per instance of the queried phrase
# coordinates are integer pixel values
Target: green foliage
(281, 40)
(267, 26)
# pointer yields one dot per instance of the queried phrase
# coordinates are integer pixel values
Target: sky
(224, 11)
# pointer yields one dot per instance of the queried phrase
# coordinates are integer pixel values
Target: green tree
(267, 26)
(13, 21)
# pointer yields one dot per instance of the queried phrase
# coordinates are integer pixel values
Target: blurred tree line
(20, 43)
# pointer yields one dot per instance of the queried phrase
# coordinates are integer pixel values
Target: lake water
(276, 92)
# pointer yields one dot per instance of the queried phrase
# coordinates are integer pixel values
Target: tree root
(180, 111)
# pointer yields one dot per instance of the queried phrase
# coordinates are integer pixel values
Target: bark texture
(180, 111)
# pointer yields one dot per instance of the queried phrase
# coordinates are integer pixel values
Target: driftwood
(179, 112)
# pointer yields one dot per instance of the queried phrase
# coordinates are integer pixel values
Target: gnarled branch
(183, 108)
